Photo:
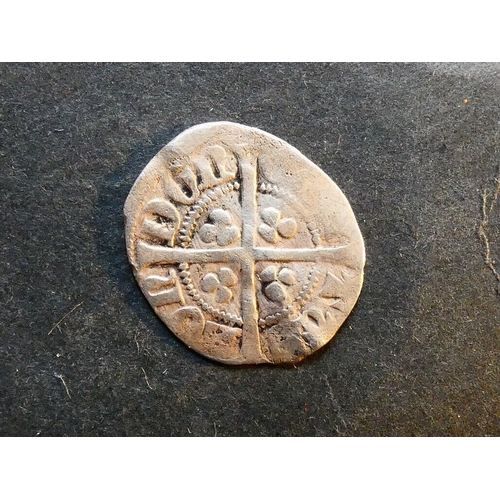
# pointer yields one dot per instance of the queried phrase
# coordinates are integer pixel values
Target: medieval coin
(246, 250)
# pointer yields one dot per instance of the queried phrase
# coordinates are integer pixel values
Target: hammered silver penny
(246, 250)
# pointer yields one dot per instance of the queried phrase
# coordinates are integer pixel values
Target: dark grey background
(413, 147)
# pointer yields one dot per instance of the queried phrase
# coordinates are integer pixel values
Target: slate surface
(413, 147)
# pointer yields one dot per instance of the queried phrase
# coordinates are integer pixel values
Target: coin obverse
(245, 249)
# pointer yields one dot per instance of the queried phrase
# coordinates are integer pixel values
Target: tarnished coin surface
(244, 248)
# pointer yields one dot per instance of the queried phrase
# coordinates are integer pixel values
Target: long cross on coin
(246, 255)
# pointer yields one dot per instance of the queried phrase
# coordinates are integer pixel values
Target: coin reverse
(245, 249)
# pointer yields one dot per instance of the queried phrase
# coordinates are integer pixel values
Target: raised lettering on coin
(245, 249)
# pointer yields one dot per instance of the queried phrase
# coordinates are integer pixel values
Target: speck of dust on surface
(489, 202)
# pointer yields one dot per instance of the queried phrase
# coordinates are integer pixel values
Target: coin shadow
(113, 189)
(110, 235)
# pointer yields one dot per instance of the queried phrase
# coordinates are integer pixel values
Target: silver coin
(246, 250)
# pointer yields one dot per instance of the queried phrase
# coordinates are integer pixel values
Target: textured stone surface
(243, 247)
(414, 147)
